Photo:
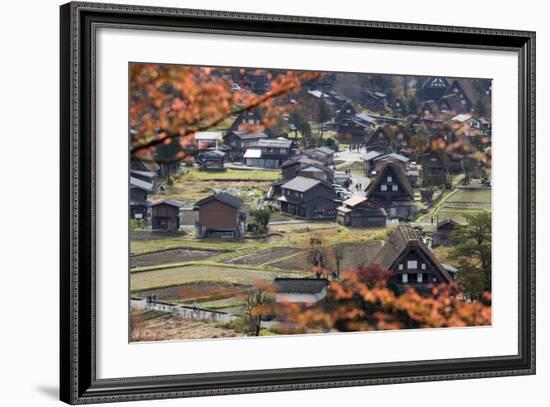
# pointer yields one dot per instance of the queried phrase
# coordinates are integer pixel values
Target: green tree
(330, 142)
(473, 252)
(262, 217)
(324, 115)
(299, 120)
(413, 107)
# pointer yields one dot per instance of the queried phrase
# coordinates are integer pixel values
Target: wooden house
(249, 120)
(220, 216)
(452, 104)
(346, 111)
(435, 170)
(411, 262)
(368, 161)
(373, 100)
(429, 111)
(147, 164)
(146, 176)
(269, 153)
(241, 140)
(358, 211)
(165, 215)
(402, 140)
(352, 127)
(443, 232)
(308, 198)
(313, 101)
(435, 87)
(211, 160)
(338, 101)
(382, 160)
(381, 140)
(257, 81)
(392, 191)
(314, 172)
(323, 154)
(139, 205)
(343, 179)
(300, 290)
(466, 93)
(205, 140)
(290, 168)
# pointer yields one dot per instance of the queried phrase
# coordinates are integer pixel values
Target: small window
(389, 179)
(412, 264)
(383, 187)
(394, 187)
(400, 267)
(405, 278)
(423, 266)
(463, 101)
(419, 277)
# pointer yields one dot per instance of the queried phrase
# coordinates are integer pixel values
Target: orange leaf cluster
(359, 303)
(170, 102)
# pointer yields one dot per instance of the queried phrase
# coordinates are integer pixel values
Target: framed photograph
(255, 203)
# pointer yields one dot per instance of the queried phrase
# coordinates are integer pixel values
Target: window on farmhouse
(400, 267)
(383, 187)
(394, 187)
(419, 278)
(405, 278)
(389, 179)
(412, 264)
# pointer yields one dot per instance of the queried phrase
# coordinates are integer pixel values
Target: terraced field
(232, 274)
(264, 256)
(176, 255)
(464, 202)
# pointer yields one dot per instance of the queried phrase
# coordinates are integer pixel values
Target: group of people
(356, 148)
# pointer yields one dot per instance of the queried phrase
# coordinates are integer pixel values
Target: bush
(136, 224)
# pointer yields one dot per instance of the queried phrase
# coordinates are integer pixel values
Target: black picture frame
(78, 382)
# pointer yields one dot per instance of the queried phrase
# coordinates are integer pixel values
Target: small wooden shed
(165, 215)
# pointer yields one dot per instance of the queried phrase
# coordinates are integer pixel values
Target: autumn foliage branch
(169, 103)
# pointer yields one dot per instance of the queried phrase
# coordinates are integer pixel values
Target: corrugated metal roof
(300, 285)
(301, 184)
(370, 155)
(208, 135)
(355, 200)
(138, 183)
(167, 202)
(233, 201)
(245, 135)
